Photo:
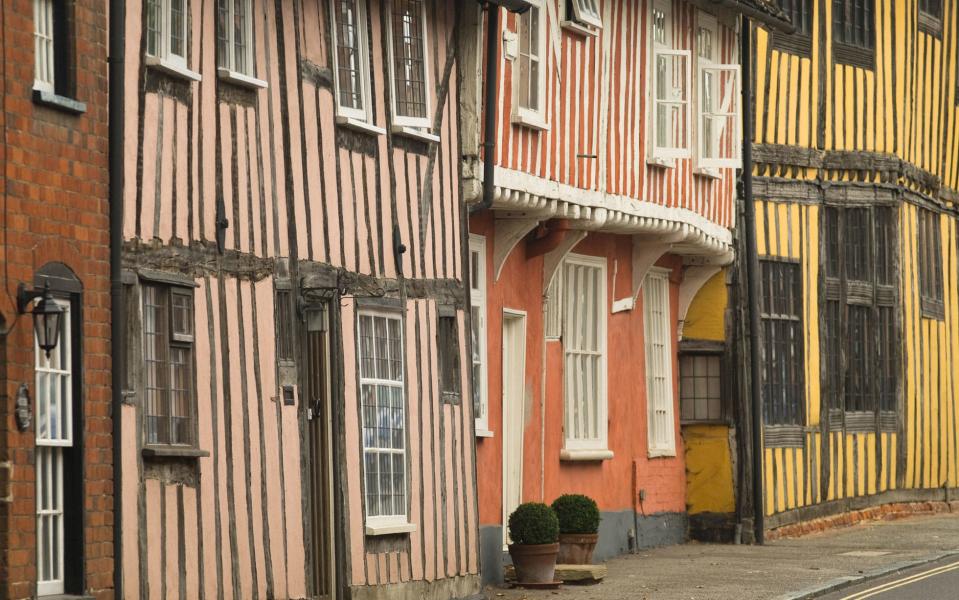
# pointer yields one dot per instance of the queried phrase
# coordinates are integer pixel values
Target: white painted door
(514, 377)
(54, 411)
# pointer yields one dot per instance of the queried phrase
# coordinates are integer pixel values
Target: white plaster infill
(594, 210)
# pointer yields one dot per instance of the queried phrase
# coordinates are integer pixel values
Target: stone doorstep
(578, 574)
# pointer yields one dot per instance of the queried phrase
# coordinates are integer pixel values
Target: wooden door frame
(510, 314)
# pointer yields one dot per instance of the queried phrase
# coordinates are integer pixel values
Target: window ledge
(161, 64)
(709, 172)
(240, 79)
(661, 453)
(415, 133)
(579, 28)
(59, 102)
(389, 528)
(584, 455)
(658, 161)
(358, 125)
(173, 452)
(532, 121)
(484, 433)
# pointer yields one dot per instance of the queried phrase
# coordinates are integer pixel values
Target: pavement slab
(782, 569)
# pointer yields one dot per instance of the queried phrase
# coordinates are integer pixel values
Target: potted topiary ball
(534, 530)
(578, 525)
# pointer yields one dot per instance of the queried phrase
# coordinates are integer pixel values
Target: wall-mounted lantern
(46, 315)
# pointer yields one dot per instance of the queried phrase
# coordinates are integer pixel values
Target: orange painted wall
(610, 482)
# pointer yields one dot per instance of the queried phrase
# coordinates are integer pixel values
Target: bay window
(719, 134)
(408, 64)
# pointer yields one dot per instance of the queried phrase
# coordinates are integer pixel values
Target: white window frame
(227, 65)
(44, 46)
(665, 48)
(656, 292)
(49, 505)
(393, 523)
(164, 57)
(553, 322)
(585, 448)
(526, 115)
(401, 121)
(477, 247)
(587, 13)
(363, 57)
(704, 65)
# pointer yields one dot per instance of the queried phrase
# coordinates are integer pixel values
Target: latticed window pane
(349, 54)
(169, 409)
(853, 23)
(54, 387)
(782, 348)
(154, 20)
(659, 379)
(700, 387)
(409, 64)
(530, 58)
(719, 104)
(800, 13)
(584, 345)
(932, 8)
(166, 29)
(384, 414)
(284, 325)
(858, 244)
(477, 250)
(930, 263)
(235, 35)
(671, 102)
(586, 12)
(43, 44)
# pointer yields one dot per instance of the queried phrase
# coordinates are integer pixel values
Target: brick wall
(53, 207)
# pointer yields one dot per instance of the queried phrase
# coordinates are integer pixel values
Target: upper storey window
(800, 41)
(530, 71)
(166, 36)
(53, 77)
(854, 35)
(719, 131)
(671, 82)
(351, 61)
(234, 36)
(46, 45)
(408, 64)
(930, 16)
(585, 12)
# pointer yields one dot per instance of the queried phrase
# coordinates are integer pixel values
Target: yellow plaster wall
(705, 319)
(709, 469)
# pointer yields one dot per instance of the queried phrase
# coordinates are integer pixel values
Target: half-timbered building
(294, 421)
(601, 198)
(856, 151)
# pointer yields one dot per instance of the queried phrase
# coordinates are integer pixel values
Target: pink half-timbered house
(294, 423)
(601, 204)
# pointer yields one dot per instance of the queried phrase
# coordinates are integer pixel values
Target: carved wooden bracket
(554, 258)
(646, 251)
(509, 232)
(694, 278)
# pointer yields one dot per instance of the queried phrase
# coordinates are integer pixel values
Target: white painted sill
(658, 161)
(710, 172)
(165, 66)
(237, 78)
(389, 528)
(579, 28)
(358, 125)
(526, 119)
(483, 433)
(415, 133)
(575, 455)
(662, 453)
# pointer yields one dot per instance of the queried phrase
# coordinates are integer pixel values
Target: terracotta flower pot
(534, 563)
(576, 548)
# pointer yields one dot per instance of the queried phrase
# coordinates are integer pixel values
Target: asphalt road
(935, 581)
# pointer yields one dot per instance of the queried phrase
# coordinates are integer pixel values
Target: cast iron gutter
(117, 310)
(752, 277)
(489, 106)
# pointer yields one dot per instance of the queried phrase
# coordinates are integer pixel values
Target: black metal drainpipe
(489, 106)
(117, 309)
(752, 276)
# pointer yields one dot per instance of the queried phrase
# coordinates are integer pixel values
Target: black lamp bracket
(25, 296)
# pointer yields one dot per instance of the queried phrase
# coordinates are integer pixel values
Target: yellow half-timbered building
(855, 178)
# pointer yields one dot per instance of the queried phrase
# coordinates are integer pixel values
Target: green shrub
(576, 513)
(533, 523)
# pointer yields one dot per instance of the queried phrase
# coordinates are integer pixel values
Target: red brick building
(56, 474)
